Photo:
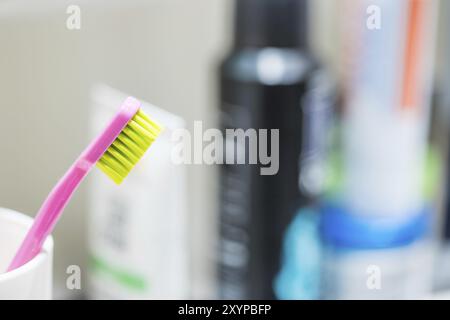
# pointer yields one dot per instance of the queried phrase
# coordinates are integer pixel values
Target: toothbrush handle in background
(49, 213)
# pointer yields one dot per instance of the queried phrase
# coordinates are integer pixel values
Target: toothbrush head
(129, 146)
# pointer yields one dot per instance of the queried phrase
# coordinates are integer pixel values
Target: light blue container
(374, 258)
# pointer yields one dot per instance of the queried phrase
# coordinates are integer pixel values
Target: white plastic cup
(34, 279)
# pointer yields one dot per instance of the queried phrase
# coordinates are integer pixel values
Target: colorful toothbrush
(115, 151)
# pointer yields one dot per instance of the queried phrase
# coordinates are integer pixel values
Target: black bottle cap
(274, 23)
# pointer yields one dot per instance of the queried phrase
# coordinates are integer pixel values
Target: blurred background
(359, 90)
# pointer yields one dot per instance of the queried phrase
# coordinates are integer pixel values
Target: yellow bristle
(129, 147)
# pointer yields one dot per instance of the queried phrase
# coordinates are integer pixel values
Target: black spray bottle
(269, 83)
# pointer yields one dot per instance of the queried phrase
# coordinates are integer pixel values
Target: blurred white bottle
(138, 231)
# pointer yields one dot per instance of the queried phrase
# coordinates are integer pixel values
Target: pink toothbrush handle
(56, 201)
(48, 215)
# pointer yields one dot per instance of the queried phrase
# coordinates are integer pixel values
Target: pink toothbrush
(115, 151)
